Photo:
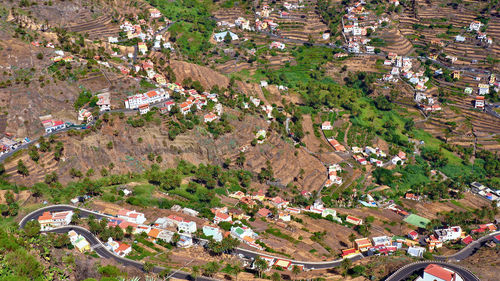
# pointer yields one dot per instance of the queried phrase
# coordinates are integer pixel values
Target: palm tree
(352, 238)
(260, 265)
(236, 269)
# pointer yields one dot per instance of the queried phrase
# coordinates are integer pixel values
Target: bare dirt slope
(207, 77)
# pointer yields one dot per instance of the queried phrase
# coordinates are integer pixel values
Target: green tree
(32, 228)
(148, 266)
(276, 276)
(227, 38)
(211, 268)
(51, 178)
(60, 240)
(352, 238)
(22, 169)
(240, 161)
(129, 230)
(261, 266)
(33, 153)
(345, 265)
(195, 272)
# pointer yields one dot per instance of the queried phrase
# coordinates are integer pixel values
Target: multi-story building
(52, 220)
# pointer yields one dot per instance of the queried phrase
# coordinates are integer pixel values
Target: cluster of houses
(476, 26)
(482, 90)
(416, 245)
(163, 229)
(327, 126)
(402, 68)
(8, 143)
(142, 30)
(356, 24)
(267, 109)
(160, 98)
(143, 101)
(373, 153)
(333, 177)
(486, 192)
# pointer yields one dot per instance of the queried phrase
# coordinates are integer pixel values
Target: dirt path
(346, 132)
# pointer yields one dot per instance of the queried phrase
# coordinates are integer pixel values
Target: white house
(484, 89)
(210, 117)
(52, 220)
(213, 232)
(381, 241)
(219, 37)
(327, 125)
(396, 159)
(53, 125)
(415, 251)
(190, 212)
(185, 241)
(154, 13)
(131, 216)
(187, 227)
(448, 234)
(222, 217)
(133, 102)
(104, 101)
(356, 31)
(112, 39)
(161, 223)
(277, 45)
(479, 102)
(475, 26)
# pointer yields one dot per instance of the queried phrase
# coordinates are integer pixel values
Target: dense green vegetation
(193, 25)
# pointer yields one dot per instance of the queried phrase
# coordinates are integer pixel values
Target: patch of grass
(279, 234)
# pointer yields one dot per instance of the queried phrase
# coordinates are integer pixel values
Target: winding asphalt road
(470, 249)
(103, 252)
(402, 273)
(407, 270)
(95, 243)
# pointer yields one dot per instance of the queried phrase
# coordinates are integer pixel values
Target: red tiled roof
(123, 212)
(222, 216)
(353, 218)
(122, 247)
(154, 232)
(264, 212)
(175, 218)
(45, 216)
(467, 240)
(439, 272)
(346, 252)
(151, 94)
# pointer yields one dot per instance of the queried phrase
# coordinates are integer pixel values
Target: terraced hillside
(466, 124)
(98, 28)
(435, 24)
(395, 42)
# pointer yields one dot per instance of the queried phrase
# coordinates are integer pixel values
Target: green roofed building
(417, 221)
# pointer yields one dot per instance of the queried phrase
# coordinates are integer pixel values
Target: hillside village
(277, 139)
